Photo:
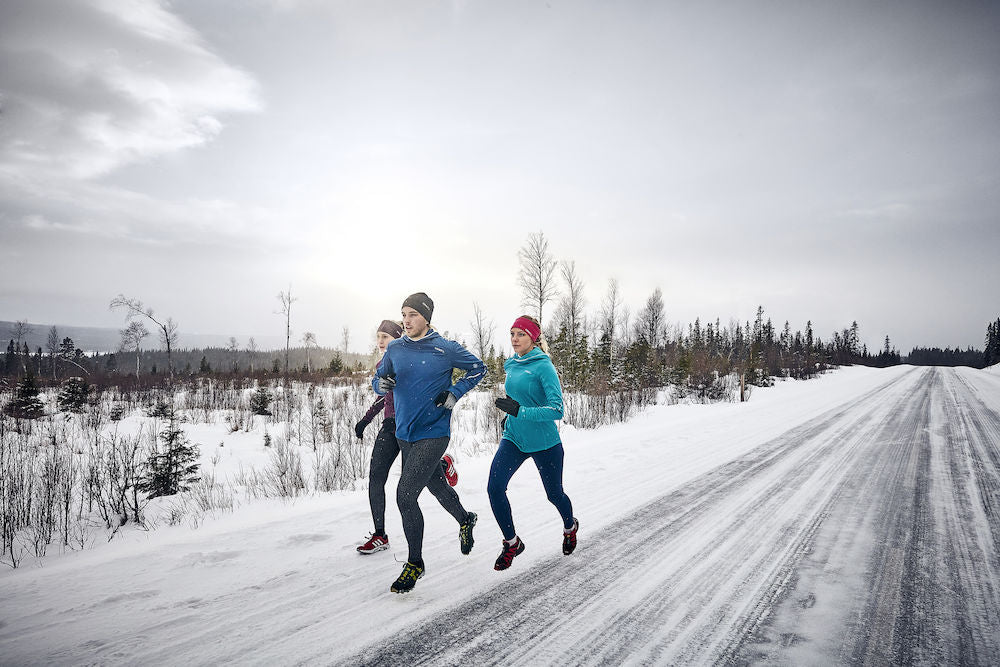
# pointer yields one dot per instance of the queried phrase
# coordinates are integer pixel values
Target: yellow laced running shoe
(465, 539)
(407, 578)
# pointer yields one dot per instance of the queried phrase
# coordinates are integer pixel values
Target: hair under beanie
(421, 303)
(391, 328)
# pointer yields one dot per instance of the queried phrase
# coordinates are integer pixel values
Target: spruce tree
(991, 355)
(10, 359)
(260, 401)
(26, 404)
(173, 467)
(67, 349)
(336, 364)
(73, 394)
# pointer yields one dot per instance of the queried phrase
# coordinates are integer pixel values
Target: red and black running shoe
(507, 555)
(569, 538)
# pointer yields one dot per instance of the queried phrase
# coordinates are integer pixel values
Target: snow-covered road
(853, 519)
(867, 535)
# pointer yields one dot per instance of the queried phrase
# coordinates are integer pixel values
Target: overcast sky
(831, 161)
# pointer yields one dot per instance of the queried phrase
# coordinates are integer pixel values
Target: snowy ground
(850, 519)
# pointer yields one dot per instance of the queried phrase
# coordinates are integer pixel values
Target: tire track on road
(629, 556)
(927, 593)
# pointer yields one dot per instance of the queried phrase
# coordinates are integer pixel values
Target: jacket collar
(533, 354)
(430, 335)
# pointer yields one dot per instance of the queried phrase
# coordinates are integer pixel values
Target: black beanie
(391, 328)
(421, 303)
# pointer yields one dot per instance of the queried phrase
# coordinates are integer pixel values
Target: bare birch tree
(286, 309)
(651, 322)
(167, 328)
(573, 302)
(234, 353)
(309, 342)
(345, 339)
(132, 337)
(52, 347)
(537, 275)
(19, 331)
(611, 313)
(482, 331)
(252, 352)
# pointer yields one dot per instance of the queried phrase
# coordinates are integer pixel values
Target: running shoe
(569, 538)
(507, 555)
(465, 533)
(450, 473)
(407, 578)
(375, 543)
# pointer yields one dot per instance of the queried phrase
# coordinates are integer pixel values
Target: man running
(418, 369)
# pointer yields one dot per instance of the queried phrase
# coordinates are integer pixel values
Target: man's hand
(445, 400)
(386, 384)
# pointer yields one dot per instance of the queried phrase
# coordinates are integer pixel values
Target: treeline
(702, 358)
(217, 360)
(61, 357)
(151, 366)
(619, 348)
(698, 357)
(935, 356)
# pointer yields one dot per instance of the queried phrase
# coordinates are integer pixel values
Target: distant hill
(100, 339)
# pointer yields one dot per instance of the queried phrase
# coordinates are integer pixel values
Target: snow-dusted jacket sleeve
(552, 409)
(473, 366)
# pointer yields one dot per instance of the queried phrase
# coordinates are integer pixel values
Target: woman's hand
(508, 405)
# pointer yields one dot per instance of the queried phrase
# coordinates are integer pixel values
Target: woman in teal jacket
(533, 404)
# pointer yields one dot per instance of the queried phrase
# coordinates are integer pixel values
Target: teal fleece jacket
(532, 381)
(423, 370)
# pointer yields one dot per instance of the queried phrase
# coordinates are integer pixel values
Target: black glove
(445, 400)
(508, 405)
(387, 383)
(359, 428)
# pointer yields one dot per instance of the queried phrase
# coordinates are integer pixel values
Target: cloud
(90, 87)
(110, 212)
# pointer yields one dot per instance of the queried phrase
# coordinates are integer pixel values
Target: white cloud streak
(89, 88)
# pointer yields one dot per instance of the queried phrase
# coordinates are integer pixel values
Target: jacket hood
(533, 356)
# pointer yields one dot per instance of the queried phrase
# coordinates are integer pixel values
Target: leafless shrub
(284, 474)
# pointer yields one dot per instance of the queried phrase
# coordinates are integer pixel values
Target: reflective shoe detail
(450, 473)
(465, 539)
(407, 578)
(507, 555)
(569, 538)
(375, 543)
